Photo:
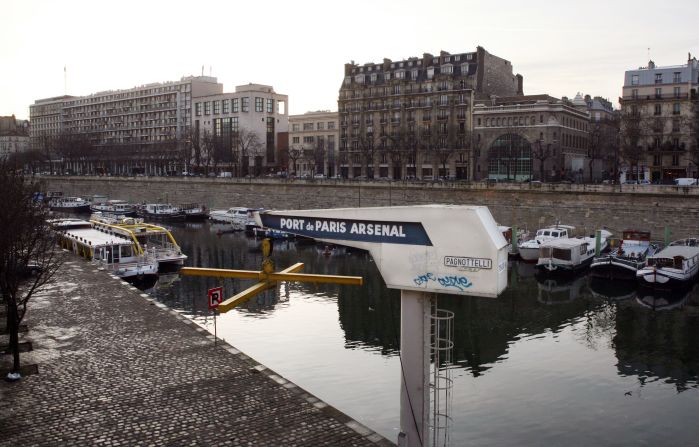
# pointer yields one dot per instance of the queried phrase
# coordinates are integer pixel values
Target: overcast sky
(300, 47)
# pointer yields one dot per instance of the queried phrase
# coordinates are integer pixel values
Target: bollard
(515, 239)
(598, 242)
(668, 232)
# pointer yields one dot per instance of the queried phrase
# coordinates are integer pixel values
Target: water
(569, 363)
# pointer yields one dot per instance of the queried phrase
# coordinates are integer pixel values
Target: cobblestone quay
(118, 368)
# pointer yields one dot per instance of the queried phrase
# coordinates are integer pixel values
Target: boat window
(544, 252)
(583, 249)
(539, 233)
(554, 233)
(547, 233)
(562, 254)
(126, 251)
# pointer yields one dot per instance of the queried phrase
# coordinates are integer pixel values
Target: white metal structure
(419, 250)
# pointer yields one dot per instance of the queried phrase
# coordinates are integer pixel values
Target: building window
(270, 106)
(634, 79)
(675, 159)
(234, 125)
(675, 125)
(676, 92)
(658, 78)
(320, 125)
(226, 106)
(307, 126)
(295, 127)
(234, 105)
(259, 104)
(245, 107)
(197, 109)
(658, 93)
(658, 110)
(296, 140)
(677, 77)
(308, 140)
(331, 125)
(657, 160)
(676, 108)
(207, 108)
(217, 107)
(634, 93)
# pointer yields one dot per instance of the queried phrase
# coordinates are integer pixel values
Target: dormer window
(430, 73)
(359, 79)
(448, 69)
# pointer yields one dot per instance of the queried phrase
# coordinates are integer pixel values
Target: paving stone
(117, 370)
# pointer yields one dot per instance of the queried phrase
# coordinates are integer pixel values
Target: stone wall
(587, 207)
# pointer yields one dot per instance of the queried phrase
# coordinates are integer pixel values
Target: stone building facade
(14, 136)
(243, 127)
(313, 139)
(532, 137)
(142, 129)
(659, 114)
(412, 118)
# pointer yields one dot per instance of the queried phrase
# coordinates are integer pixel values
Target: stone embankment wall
(587, 207)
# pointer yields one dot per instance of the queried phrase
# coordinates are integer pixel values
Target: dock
(116, 367)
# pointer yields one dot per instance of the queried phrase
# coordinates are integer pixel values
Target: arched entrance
(510, 158)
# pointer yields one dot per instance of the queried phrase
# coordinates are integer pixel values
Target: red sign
(215, 297)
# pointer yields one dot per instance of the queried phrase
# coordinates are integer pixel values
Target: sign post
(420, 250)
(215, 298)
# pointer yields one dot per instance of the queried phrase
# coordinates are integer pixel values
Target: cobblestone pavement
(118, 368)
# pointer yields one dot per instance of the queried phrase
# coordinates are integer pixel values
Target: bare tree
(28, 254)
(368, 148)
(693, 140)
(207, 147)
(542, 151)
(633, 129)
(295, 154)
(249, 145)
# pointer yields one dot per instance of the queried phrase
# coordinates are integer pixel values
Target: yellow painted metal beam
(307, 277)
(229, 273)
(248, 293)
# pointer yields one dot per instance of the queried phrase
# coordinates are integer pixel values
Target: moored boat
(673, 268)
(569, 255)
(240, 218)
(529, 250)
(69, 204)
(113, 252)
(120, 207)
(161, 211)
(623, 261)
(194, 211)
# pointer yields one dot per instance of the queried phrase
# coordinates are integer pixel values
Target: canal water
(576, 363)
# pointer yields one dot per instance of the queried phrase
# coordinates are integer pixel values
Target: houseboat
(623, 261)
(241, 218)
(150, 239)
(161, 211)
(569, 255)
(111, 251)
(69, 204)
(194, 211)
(120, 207)
(674, 267)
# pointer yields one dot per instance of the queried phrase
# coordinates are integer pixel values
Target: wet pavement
(118, 368)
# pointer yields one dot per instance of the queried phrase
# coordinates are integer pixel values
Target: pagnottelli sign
(407, 233)
(468, 263)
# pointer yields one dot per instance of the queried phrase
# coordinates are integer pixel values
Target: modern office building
(240, 131)
(658, 121)
(313, 139)
(142, 129)
(533, 137)
(412, 118)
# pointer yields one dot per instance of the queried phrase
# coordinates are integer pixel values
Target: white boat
(161, 211)
(529, 250)
(624, 261)
(150, 239)
(113, 252)
(240, 218)
(69, 204)
(569, 255)
(673, 267)
(120, 207)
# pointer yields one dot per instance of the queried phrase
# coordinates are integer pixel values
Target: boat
(624, 261)
(69, 204)
(241, 218)
(150, 239)
(568, 255)
(529, 250)
(111, 251)
(161, 211)
(120, 207)
(673, 268)
(194, 211)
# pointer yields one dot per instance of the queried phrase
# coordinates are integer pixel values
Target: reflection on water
(550, 362)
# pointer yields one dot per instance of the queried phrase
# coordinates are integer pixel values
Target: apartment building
(658, 110)
(240, 130)
(313, 139)
(412, 118)
(142, 129)
(14, 136)
(532, 137)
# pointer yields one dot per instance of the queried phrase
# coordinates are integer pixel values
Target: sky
(300, 47)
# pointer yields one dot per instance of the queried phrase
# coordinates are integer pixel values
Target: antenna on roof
(202, 70)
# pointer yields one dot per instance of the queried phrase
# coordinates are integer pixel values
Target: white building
(313, 140)
(224, 125)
